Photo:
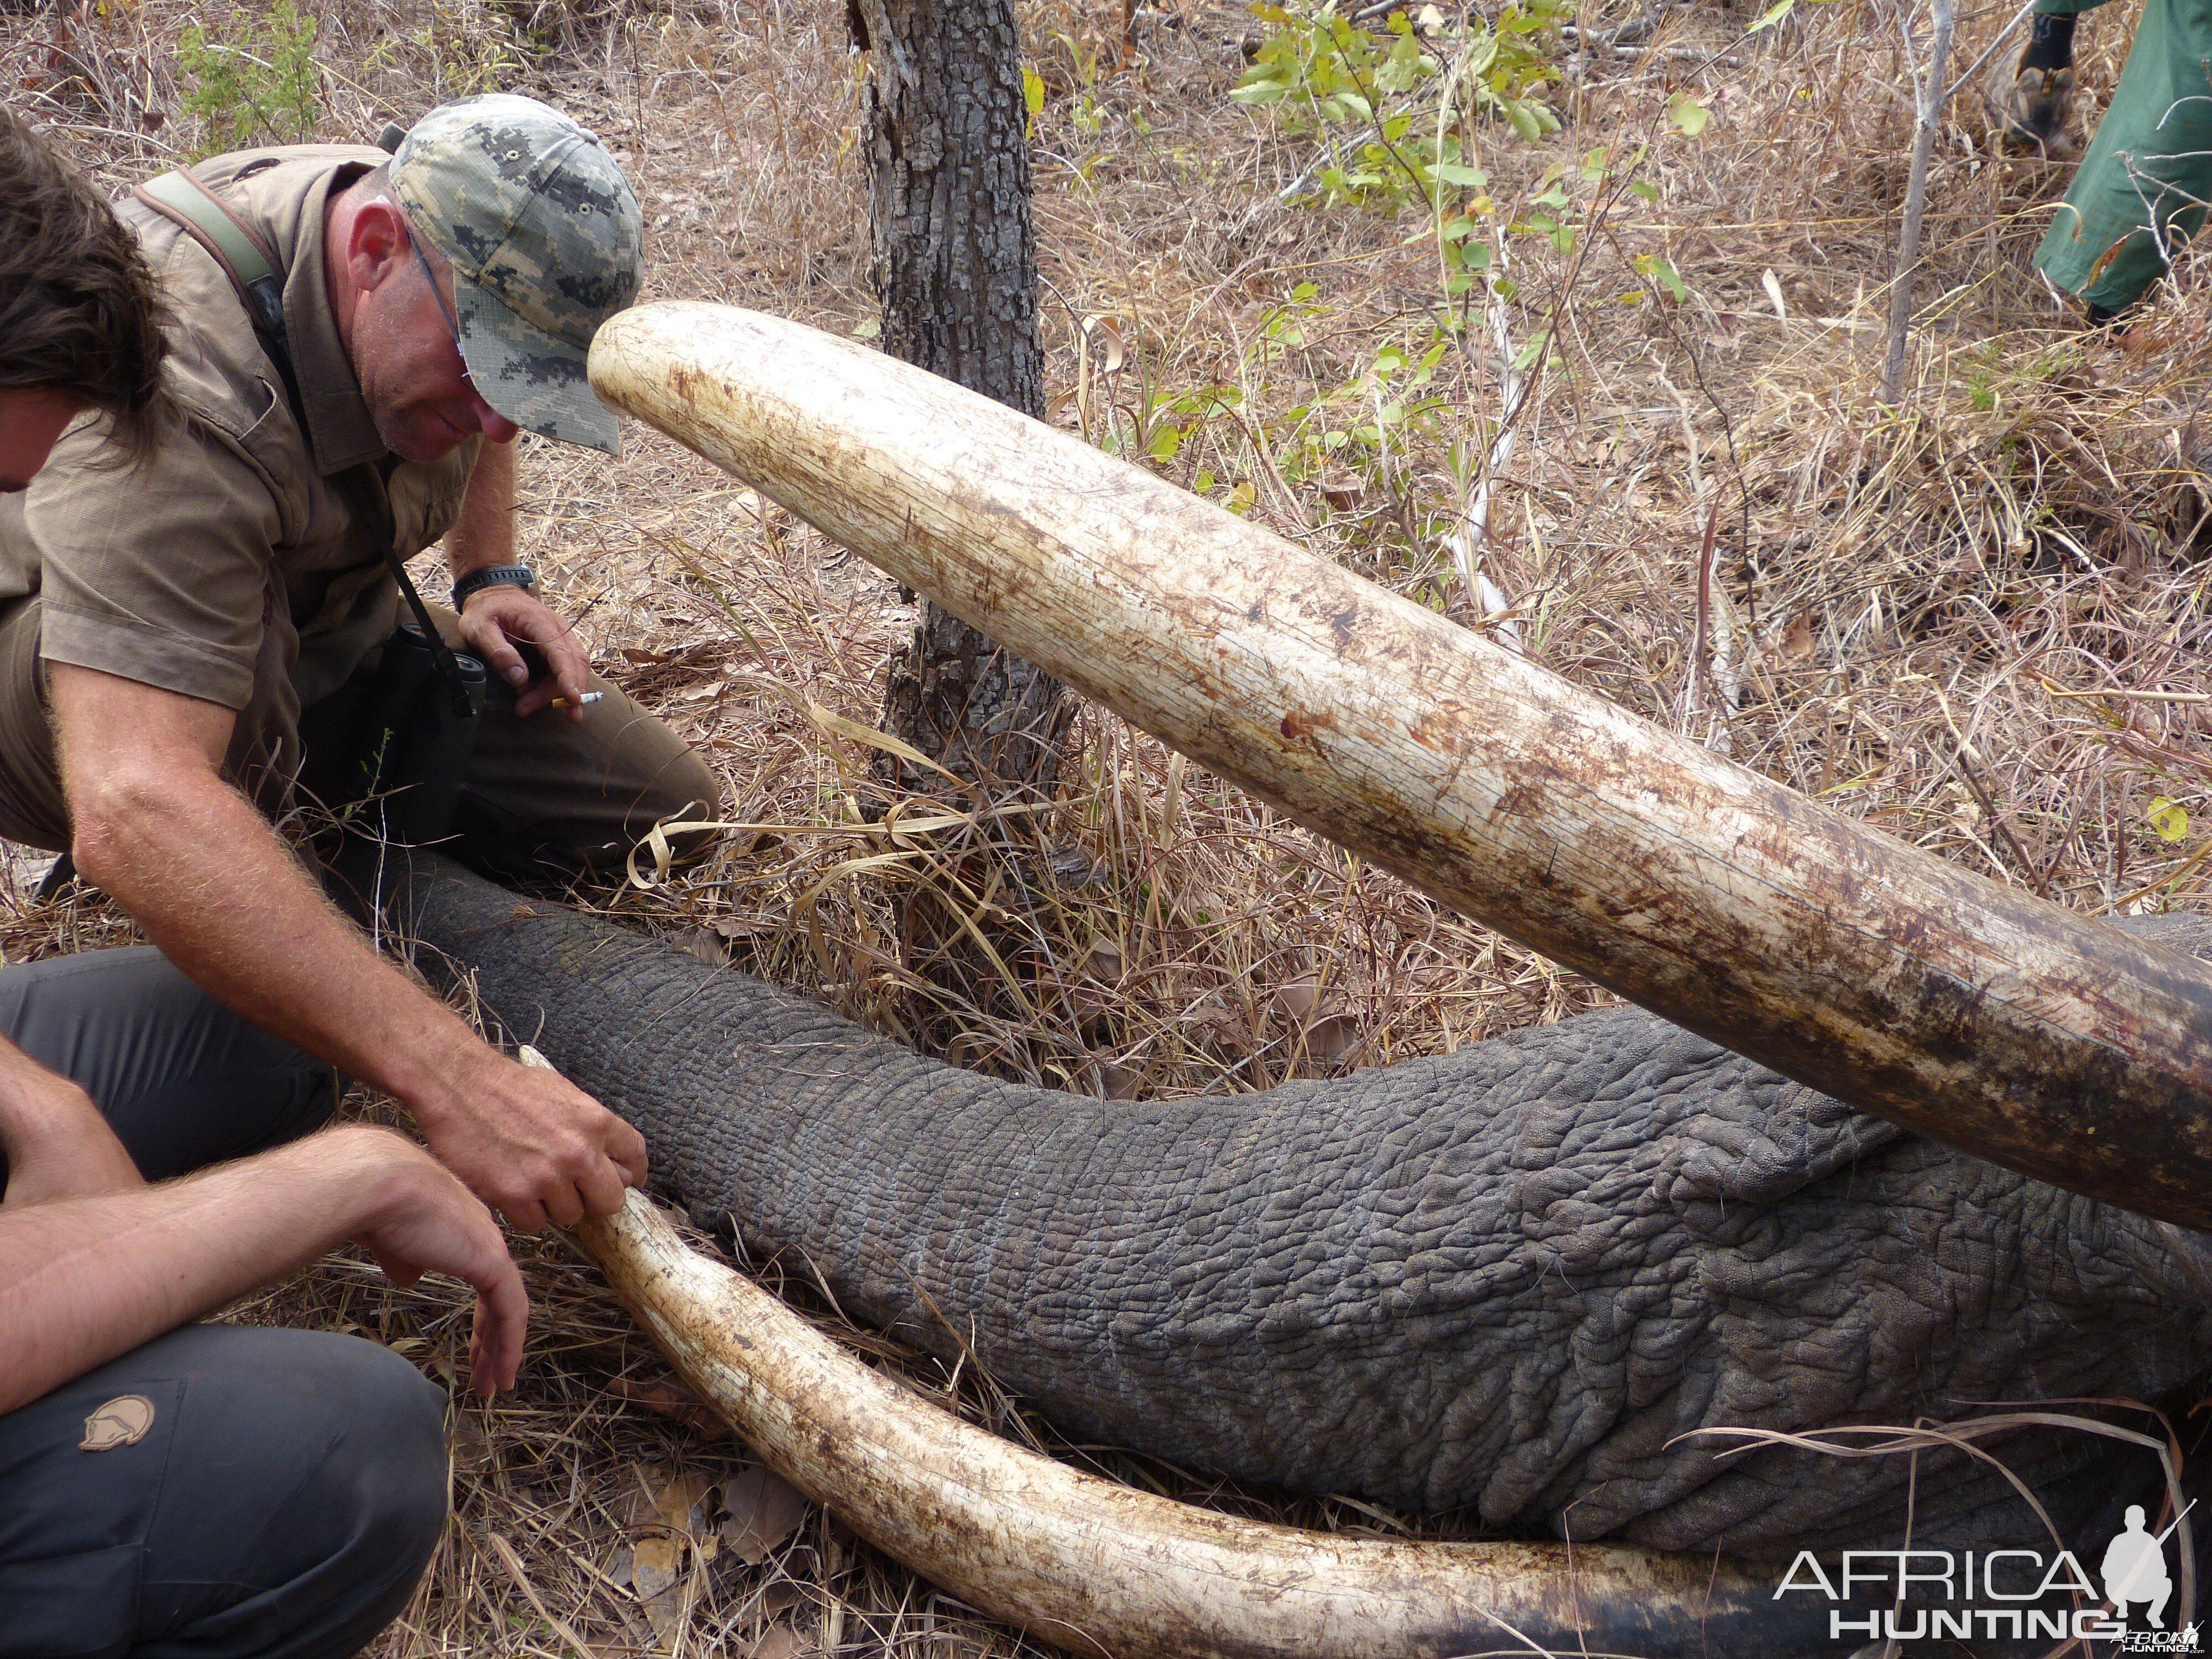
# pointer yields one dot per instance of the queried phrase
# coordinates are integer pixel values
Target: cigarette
(588, 696)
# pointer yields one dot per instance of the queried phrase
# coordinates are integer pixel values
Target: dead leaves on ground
(678, 1524)
(760, 1510)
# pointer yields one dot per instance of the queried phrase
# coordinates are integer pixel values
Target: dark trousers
(184, 1082)
(542, 801)
(224, 1491)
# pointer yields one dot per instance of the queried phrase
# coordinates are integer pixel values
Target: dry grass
(1976, 620)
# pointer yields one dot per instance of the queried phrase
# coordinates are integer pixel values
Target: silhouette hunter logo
(2135, 1575)
(2134, 1570)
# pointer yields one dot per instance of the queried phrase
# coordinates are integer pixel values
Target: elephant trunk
(1875, 972)
(1516, 1279)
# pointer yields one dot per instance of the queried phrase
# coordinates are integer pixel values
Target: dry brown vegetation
(1976, 619)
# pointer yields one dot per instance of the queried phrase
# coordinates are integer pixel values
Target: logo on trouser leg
(123, 1421)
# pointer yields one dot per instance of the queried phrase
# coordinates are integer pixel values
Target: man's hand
(534, 1147)
(499, 623)
(194, 864)
(2032, 111)
(496, 621)
(425, 1222)
(57, 1144)
(85, 1278)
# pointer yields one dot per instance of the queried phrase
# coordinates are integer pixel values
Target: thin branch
(1928, 106)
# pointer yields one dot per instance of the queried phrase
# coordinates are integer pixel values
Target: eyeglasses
(445, 310)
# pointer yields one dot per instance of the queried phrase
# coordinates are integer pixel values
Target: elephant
(1514, 1282)
(1881, 1140)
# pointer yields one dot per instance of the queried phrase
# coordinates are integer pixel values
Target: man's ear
(376, 247)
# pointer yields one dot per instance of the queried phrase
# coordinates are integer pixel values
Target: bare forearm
(189, 858)
(201, 871)
(483, 534)
(83, 1280)
(56, 1142)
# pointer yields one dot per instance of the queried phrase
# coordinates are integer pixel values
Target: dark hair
(80, 309)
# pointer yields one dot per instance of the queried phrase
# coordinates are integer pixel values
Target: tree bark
(954, 266)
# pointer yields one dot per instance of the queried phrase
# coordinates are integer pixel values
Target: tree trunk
(954, 267)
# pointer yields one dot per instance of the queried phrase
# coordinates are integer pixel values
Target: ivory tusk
(1838, 956)
(1107, 1572)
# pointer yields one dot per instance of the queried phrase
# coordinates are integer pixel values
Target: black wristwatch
(496, 575)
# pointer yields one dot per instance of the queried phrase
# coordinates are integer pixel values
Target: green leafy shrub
(262, 82)
(1374, 101)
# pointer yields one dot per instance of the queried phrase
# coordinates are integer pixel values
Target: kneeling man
(184, 645)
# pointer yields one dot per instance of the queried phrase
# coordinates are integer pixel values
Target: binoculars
(414, 740)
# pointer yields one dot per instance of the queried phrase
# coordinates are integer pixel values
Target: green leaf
(1687, 115)
(1032, 89)
(2171, 823)
(1773, 14)
(1458, 173)
(1663, 273)
(1166, 439)
(1646, 189)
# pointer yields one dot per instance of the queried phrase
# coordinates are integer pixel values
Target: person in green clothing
(2142, 189)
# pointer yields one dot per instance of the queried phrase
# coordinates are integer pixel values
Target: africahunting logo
(2015, 1595)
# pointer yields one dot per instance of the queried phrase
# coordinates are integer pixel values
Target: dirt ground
(1975, 617)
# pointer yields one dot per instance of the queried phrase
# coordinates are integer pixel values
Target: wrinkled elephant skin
(1506, 1280)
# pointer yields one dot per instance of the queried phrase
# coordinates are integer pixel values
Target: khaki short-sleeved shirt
(238, 565)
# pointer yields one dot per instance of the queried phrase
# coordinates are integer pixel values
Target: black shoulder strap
(182, 198)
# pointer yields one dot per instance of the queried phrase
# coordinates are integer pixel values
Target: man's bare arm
(56, 1143)
(496, 619)
(484, 534)
(199, 868)
(83, 1280)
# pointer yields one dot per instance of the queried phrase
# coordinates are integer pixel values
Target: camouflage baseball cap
(546, 243)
